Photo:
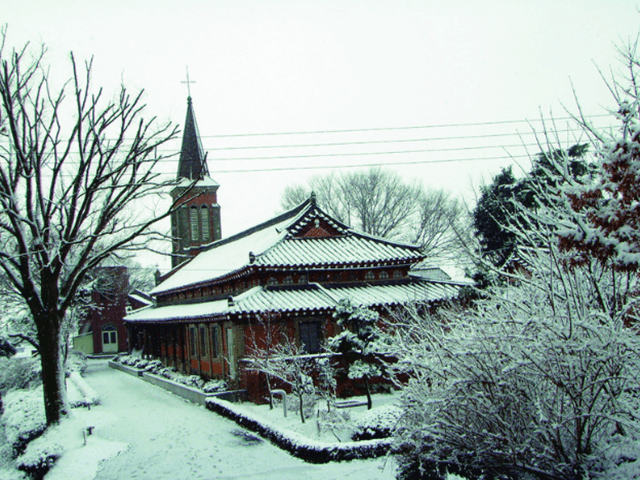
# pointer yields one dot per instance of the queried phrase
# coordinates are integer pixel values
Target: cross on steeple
(188, 82)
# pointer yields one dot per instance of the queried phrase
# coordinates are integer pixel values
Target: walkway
(170, 438)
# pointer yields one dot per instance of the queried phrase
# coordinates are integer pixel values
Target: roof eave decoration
(314, 214)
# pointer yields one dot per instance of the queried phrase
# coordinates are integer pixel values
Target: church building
(293, 269)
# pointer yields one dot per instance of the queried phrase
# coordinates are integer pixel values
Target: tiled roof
(272, 244)
(309, 298)
(347, 249)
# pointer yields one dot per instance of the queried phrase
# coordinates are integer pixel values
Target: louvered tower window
(204, 222)
(193, 220)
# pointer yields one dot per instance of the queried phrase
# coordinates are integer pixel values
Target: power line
(412, 127)
(382, 164)
(374, 142)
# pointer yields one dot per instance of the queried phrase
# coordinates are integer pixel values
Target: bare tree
(380, 203)
(441, 226)
(71, 165)
(288, 363)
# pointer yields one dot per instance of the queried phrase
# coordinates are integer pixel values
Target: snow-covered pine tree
(359, 342)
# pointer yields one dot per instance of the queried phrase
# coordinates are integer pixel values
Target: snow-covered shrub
(140, 363)
(338, 422)
(378, 423)
(213, 386)
(19, 373)
(76, 362)
(192, 381)
(23, 417)
(309, 402)
(153, 366)
(7, 349)
(516, 386)
(540, 377)
(167, 372)
(39, 458)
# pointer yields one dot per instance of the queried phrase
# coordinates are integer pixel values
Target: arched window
(370, 275)
(204, 223)
(193, 221)
(384, 275)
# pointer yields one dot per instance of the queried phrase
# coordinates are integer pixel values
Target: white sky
(299, 66)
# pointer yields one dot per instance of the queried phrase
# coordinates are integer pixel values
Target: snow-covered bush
(516, 386)
(214, 386)
(23, 417)
(39, 458)
(290, 364)
(157, 368)
(19, 373)
(309, 402)
(192, 381)
(338, 422)
(540, 378)
(378, 423)
(76, 362)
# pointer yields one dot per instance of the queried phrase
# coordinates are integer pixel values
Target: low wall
(84, 343)
(125, 368)
(189, 393)
(192, 394)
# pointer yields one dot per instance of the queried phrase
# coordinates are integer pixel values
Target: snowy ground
(143, 432)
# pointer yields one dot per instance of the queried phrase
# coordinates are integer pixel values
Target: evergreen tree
(359, 342)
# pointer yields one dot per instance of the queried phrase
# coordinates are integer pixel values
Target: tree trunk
(53, 378)
(269, 390)
(300, 396)
(366, 388)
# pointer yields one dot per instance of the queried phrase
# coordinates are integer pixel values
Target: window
(193, 220)
(203, 341)
(109, 334)
(288, 280)
(204, 222)
(370, 275)
(384, 275)
(397, 274)
(192, 341)
(310, 336)
(215, 341)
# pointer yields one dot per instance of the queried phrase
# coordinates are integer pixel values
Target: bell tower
(196, 221)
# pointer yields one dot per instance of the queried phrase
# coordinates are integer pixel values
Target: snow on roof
(335, 251)
(272, 244)
(179, 312)
(206, 181)
(141, 297)
(312, 297)
(224, 257)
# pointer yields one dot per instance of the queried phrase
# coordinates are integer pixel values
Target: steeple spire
(193, 162)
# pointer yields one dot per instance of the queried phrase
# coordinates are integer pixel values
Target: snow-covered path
(169, 438)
